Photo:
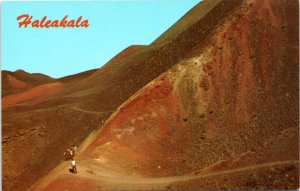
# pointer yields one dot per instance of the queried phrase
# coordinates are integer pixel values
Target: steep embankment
(215, 101)
(228, 99)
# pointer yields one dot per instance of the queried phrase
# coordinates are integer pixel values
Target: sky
(113, 26)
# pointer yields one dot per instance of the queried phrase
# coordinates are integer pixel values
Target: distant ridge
(20, 80)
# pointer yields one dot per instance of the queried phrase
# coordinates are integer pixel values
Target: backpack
(69, 154)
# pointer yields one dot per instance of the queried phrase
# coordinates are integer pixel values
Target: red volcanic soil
(72, 183)
(36, 94)
(147, 116)
(211, 103)
(254, 169)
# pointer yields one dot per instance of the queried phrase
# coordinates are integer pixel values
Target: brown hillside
(100, 79)
(18, 81)
(76, 77)
(36, 94)
(193, 16)
(125, 53)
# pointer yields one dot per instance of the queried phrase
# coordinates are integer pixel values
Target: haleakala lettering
(26, 20)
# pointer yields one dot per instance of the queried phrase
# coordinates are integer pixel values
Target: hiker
(74, 149)
(73, 165)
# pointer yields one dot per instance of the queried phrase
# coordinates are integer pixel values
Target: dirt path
(111, 177)
(90, 112)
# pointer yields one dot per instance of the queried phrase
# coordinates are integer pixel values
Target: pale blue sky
(57, 52)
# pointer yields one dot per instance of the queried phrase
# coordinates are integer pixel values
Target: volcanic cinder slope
(19, 81)
(211, 104)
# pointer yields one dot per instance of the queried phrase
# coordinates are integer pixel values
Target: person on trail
(73, 165)
(74, 149)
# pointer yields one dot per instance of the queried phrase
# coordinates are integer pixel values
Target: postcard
(150, 95)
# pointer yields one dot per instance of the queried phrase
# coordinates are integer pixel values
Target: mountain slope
(76, 77)
(18, 81)
(82, 107)
(194, 15)
(227, 92)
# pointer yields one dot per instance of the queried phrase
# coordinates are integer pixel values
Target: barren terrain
(211, 104)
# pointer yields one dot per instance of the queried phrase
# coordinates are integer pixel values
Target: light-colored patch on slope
(15, 83)
(77, 108)
(37, 93)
